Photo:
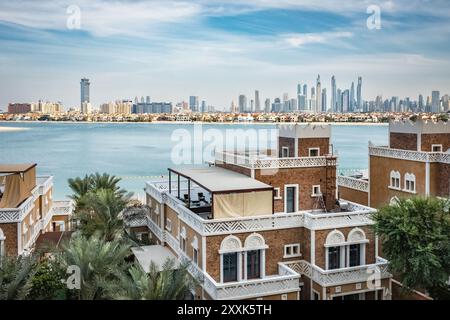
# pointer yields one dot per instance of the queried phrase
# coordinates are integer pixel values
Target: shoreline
(190, 123)
(12, 129)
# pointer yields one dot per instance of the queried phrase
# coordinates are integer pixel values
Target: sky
(218, 49)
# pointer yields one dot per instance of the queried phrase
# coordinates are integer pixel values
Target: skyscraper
(242, 103)
(345, 101)
(257, 102)
(352, 98)
(339, 100)
(252, 105)
(359, 94)
(324, 100)
(267, 105)
(421, 105)
(305, 91)
(203, 109)
(85, 95)
(193, 103)
(435, 101)
(319, 95)
(312, 101)
(333, 94)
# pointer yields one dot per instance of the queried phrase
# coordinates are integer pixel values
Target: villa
(267, 224)
(27, 209)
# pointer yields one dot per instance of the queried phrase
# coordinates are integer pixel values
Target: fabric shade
(234, 205)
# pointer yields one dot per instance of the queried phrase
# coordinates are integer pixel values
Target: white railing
(357, 215)
(353, 183)
(256, 162)
(378, 270)
(17, 214)
(63, 207)
(411, 155)
(44, 183)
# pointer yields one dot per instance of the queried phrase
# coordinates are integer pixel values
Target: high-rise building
(305, 91)
(203, 109)
(421, 105)
(435, 101)
(85, 95)
(312, 101)
(252, 105)
(359, 94)
(319, 95)
(277, 105)
(345, 101)
(302, 103)
(257, 102)
(324, 100)
(445, 102)
(352, 97)
(267, 105)
(339, 100)
(333, 94)
(242, 103)
(193, 103)
(234, 108)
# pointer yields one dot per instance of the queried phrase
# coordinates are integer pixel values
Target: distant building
(85, 95)
(203, 109)
(435, 101)
(333, 94)
(242, 103)
(267, 105)
(319, 96)
(257, 102)
(153, 107)
(359, 102)
(15, 108)
(193, 103)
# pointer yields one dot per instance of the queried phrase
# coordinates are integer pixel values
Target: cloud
(298, 40)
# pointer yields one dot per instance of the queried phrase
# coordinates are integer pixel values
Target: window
(285, 152)
(183, 239)
(316, 296)
(314, 152)
(334, 258)
(276, 192)
(354, 255)
(410, 182)
(395, 180)
(436, 147)
(290, 198)
(168, 224)
(195, 255)
(316, 191)
(292, 250)
(253, 264)
(284, 296)
(230, 268)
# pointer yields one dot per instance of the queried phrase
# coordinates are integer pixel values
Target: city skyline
(174, 49)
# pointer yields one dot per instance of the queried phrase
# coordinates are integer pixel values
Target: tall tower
(352, 97)
(435, 101)
(318, 95)
(85, 96)
(324, 100)
(193, 103)
(242, 103)
(333, 94)
(359, 93)
(257, 102)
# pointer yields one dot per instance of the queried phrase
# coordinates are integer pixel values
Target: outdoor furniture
(201, 197)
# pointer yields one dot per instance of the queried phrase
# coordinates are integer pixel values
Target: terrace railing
(353, 183)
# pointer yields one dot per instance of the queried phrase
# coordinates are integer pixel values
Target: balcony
(353, 183)
(336, 277)
(256, 160)
(11, 215)
(411, 155)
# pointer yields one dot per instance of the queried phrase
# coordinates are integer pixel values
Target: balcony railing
(357, 215)
(17, 214)
(44, 183)
(419, 156)
(266, 162)
(63, 207)
(335, 277)
(353, 183)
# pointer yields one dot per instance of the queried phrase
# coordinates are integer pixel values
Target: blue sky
(219, 49)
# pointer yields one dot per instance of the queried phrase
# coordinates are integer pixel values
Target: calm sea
(135, 151)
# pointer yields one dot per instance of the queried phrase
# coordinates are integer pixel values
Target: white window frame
(410, 178)
(2, 244)
(316, 194)
(168, 225)
(282, 152)
(291, 248)
(436, 145)
(296, 196)
(277, 195)
(397, 176)
(316, 149)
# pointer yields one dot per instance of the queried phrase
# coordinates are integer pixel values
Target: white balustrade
(353, 183)
(420, 156)
(17, 214)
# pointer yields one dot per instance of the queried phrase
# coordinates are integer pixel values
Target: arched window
(230, 259)
(255, 256)
(2, 244)
(395, 179)
(183, 239)
(335, 250)
(356, 247)
(194, 245)
(410, 182)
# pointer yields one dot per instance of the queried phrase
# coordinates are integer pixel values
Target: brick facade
(353, 195)
(427, 140)
(286, 142)
(404, 141)
(304, 144)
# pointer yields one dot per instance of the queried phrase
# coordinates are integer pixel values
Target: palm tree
(15, 273)
(167, 283)
(99, 262)
(415, 235)
(80, 187)
(101, 214)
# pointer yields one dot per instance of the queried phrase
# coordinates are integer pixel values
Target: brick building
(27, 209)
(258, 226)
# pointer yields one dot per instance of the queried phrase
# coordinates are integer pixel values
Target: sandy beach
(9, 129)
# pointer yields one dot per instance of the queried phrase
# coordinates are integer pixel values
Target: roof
(52, 238)
(156, 253)
(16, 168)
(216, 179)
